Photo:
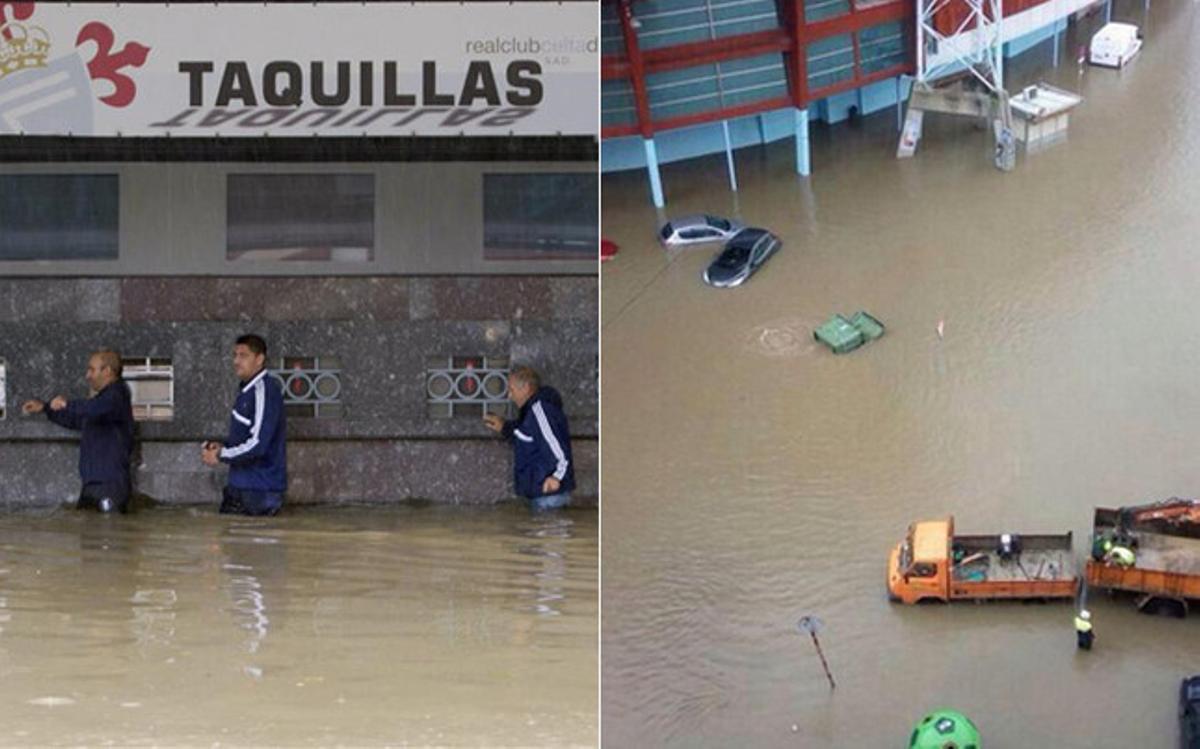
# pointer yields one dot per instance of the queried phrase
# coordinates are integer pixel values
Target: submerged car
(697, 230)
(743, 255)
(1189, 713)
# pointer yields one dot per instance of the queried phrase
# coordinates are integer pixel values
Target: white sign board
(377, 69)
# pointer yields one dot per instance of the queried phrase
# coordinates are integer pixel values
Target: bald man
(106, 423)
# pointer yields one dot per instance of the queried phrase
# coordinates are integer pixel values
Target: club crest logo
(44, 93)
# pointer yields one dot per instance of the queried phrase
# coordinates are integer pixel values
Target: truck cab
(917, 567)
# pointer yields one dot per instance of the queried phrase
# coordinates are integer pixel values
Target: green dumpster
(867, 325)
(839, 335)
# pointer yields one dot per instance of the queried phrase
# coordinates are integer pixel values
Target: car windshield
(733, 257)
(719, 223)
(666, 231)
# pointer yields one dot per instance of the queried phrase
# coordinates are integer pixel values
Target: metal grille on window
(152, 385)
(466, 386)
(3, 390)
(312, 386)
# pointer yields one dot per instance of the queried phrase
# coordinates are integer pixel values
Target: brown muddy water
(752, 477)
(333, 627)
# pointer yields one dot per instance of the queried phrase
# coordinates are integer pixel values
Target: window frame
(155, 370)
(43, 262)
(528, 255)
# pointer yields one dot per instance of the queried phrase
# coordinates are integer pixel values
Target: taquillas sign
(298, 70)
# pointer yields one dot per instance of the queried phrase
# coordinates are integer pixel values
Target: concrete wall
(382, 329)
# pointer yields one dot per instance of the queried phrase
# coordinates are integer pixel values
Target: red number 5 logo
(106, 65)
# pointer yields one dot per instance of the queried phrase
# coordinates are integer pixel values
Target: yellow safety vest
(1122, 556)
(1082, 625)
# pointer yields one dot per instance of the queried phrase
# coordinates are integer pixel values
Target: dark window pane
(540, 216)
(58, 216)
(301, 217)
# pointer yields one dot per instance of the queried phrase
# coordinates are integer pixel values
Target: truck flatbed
(1042, 558)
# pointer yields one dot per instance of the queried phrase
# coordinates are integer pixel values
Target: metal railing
(312, 386)
(470, 384)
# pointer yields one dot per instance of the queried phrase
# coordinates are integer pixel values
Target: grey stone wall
(382, 329)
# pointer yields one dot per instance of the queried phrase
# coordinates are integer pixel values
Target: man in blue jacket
(105, 423)
(255, 450)
(543, 471)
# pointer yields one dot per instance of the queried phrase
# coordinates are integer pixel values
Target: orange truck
(1165, 539)
(931, 563)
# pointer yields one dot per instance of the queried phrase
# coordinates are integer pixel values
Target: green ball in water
(945, 729)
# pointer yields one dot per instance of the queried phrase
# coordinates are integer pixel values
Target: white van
(1114, 45)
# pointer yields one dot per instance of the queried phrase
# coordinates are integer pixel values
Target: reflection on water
(752, 477)
(549, 531)
(360, 626)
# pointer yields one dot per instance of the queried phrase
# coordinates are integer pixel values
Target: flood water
(360, 626)
(751, 477)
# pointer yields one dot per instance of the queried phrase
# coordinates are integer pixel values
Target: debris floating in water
(51, 701)
(941, 328)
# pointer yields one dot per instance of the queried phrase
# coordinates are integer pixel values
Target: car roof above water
(747, 237)
(699, 219)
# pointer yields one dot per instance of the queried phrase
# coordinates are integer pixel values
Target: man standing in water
(256, 448)
(105, 421)
(542, 469)
(1084, 635)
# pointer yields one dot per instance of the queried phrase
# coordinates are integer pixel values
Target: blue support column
(729, 156)
(762, 129)
(899, 103)
(803, 164)
(1108, 11)
(656, 191)
(1056, 35)
(858, 100)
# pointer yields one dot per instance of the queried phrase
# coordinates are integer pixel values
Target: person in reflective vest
(1083, 630)
(1101, 546)
(1121, 556)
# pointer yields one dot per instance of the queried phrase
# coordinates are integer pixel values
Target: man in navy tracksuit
(255, 450)
(543, 471)
(105, 421)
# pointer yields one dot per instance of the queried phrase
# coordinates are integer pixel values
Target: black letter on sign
(366, 83)
(392, 97)
(429, 95)
(480, 83)
(532, 85)
(343, 85)
(195, 71)
(290, 95)
(235, 84)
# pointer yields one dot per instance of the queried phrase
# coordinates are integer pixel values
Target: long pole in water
(811, 624)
